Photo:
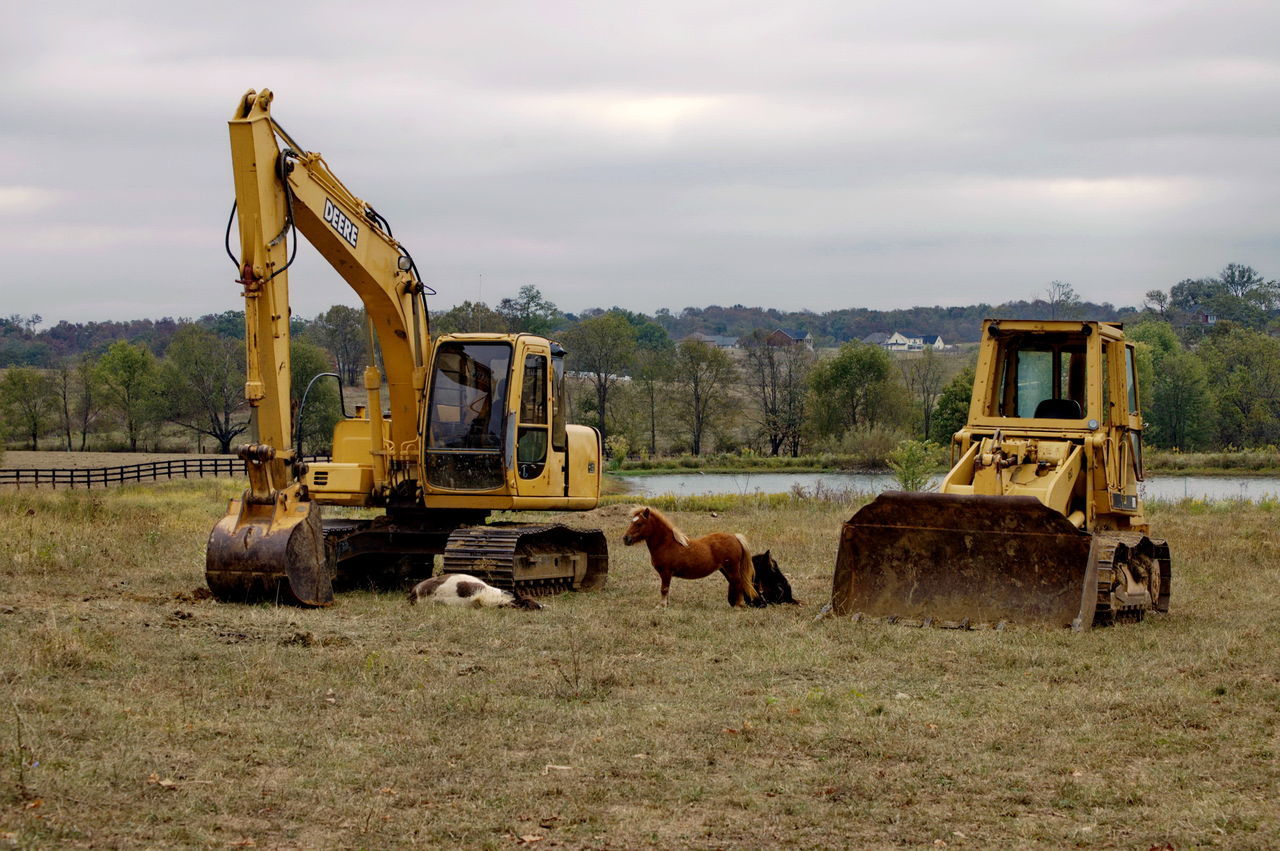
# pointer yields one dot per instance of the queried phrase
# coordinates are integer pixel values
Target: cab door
(537, 465)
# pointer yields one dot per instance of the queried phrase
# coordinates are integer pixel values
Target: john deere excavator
(475, 423)
(1039, 520)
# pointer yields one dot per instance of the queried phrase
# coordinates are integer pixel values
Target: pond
(1211, 488)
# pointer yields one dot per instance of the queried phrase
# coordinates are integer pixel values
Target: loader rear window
(1041, 380)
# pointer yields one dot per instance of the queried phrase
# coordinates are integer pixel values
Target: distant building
(785, 339)
(719, 341)
(876, 338)
(899, 342)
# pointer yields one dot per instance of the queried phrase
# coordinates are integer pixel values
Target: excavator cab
(1039, 519)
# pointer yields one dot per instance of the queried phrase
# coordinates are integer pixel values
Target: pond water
(1212, 488)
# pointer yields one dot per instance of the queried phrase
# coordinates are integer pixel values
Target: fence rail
(89, 477)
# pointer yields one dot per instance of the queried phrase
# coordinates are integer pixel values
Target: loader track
(1133, 576)
(531, 560)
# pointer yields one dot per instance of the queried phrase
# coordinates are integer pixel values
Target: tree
(847, 389)
(1246, 369)
(702, 376)
(343, 331)
(923, 377)
(470, 317)
(603, 347)
(529, 312)
(28, 396)
(952, 411)
(127, 373)
(315, 423)
(654, 368)
(88, 404)
(1243, 282)
(1181, 408)
(778, 378)
(1157, 301)
(1063, 301)
(202, 385)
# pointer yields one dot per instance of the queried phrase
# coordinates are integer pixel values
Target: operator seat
(1058, 409)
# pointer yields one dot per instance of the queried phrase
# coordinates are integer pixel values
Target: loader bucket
(956, 560)
(269, 553)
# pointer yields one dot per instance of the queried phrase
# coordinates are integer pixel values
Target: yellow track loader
(1039, 520)
(473, 423)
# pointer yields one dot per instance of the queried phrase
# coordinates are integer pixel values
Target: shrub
(913, 462)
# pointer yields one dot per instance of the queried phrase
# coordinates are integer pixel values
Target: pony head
(646, 521)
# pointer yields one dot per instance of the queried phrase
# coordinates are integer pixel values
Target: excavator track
(531, 560)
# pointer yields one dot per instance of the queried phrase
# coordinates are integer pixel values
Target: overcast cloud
(807, 155)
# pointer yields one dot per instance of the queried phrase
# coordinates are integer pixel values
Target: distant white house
(899, 342)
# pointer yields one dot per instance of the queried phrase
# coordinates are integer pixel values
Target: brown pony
(673, 554)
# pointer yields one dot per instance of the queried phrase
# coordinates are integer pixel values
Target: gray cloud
(817, 155)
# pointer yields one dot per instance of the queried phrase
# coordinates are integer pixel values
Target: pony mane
(681, 538)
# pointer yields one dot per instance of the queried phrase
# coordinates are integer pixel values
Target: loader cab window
(1131, 373)
(1045, 379)
(467, 415)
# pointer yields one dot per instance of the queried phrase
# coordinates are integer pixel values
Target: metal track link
(1126, 560)
(531, 560)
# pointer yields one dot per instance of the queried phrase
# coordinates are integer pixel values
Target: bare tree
(342, 331)
(653, 372)
(778, 377)
(923, 377)
(1063, 301)
(703, 373)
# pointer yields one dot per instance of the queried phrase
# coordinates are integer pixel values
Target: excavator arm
(269, 543)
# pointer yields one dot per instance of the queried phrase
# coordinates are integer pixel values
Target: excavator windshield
(1041, 376)
(468, 415)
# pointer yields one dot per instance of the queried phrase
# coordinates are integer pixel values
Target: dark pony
(673, 554)
(771, 583)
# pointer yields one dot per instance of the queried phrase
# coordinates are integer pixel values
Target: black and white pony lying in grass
(459, 589)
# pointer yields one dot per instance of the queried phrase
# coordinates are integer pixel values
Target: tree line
(1211, 371)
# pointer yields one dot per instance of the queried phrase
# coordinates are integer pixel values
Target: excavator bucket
(961, 560)
(272, 552)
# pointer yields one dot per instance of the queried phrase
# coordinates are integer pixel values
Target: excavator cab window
(531, 440)
(468, 415)
(559, 434)
(1041, 378)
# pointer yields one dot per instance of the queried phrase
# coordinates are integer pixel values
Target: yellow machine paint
(449, 432)
(1039, 519)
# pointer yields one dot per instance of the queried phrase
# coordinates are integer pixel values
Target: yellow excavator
(475, 423)
(1039, 520)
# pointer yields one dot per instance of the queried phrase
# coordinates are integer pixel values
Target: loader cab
(1038, 374)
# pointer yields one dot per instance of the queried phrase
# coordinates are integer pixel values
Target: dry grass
(135, 715)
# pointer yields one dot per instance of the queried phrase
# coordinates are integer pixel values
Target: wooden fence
(89, 477)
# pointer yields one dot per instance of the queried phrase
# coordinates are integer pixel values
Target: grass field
(137, 714)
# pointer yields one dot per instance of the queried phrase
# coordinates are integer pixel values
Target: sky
(801, 155)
